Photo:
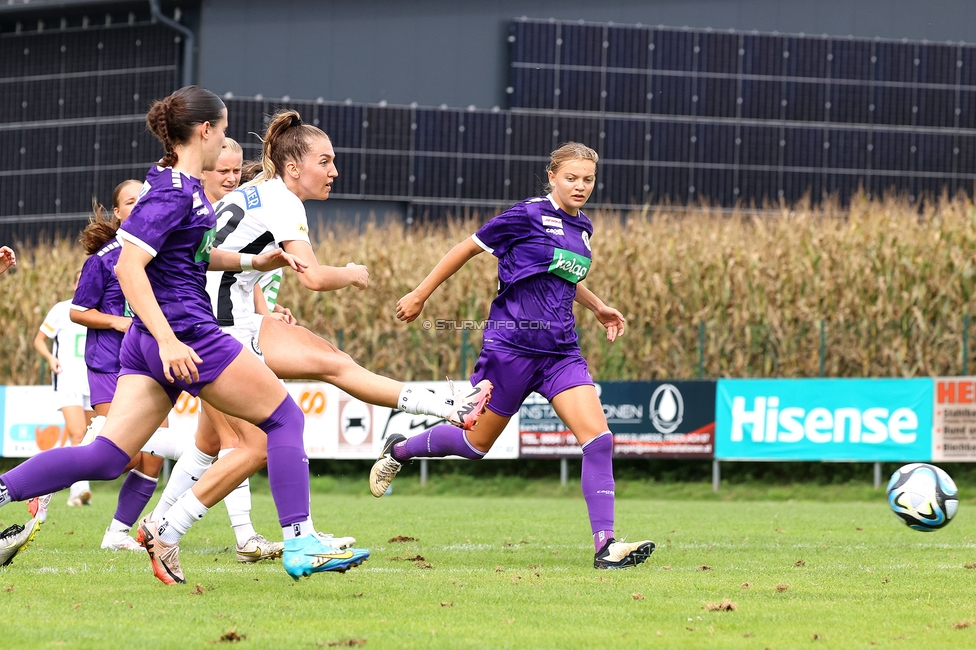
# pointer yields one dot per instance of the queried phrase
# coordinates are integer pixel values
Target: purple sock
(598, 487)
(442, 440)
(56, 469)
(136, 491)
(287, 462)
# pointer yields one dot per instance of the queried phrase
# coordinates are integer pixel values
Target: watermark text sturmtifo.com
(442, 324)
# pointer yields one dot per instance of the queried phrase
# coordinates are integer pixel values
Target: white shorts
(72, 398)
(248, 333)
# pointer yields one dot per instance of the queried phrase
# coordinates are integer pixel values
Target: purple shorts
(515, 376)
(102, 386)
(140, 356)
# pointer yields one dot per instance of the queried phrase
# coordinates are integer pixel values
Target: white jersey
(69, 348)
(251, 219)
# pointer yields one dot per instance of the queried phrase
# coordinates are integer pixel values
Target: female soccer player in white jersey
(175, 344)
(543, 250)
(70, 378)
(299, 164)
(215, 438)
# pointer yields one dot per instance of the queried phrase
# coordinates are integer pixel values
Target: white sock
(184, 513)
(294, 531)
(166, 444)
(424, 402)
(118, 527)
(238, 505)
(93, 429)
(187, 471)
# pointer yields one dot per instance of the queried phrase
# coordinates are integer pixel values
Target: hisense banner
(824, 419)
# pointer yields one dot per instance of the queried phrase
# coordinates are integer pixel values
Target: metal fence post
(823, 346)
(701, 350)
(339, 339)
(877, 475)
(965, 345)
(464, 353)
(423, 471)
(563, 471)
(716, 474)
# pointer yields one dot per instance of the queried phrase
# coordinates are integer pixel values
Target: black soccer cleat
(621, 555)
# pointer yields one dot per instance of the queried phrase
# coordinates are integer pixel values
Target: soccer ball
(923, 496)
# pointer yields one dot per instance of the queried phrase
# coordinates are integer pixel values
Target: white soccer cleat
(621, 555)
(15, 539)
(469, 404)
(117, 540)
(257, 548)
(385, 469)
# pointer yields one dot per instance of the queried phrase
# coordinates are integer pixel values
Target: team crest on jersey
(197, 202)
(552, 222)
(586, 240)
(206, 245)
(252, 198)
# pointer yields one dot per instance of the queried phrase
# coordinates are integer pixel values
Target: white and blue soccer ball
(923, 496)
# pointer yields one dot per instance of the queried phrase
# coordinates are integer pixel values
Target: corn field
(881, 288)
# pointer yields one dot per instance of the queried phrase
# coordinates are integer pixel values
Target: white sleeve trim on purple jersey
(79, 307)
(552, 200)
(482, 244)
(124, 236)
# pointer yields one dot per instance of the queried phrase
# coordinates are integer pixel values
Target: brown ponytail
(172, 119)
(103, 225)
(286, 138)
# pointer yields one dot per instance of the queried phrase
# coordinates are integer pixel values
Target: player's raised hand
(7, 258)
(360, 275)
(409, 307)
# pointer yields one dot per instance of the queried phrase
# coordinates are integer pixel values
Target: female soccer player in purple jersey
(543, 250)
(99, 305)
(299, 164)
(175, 344)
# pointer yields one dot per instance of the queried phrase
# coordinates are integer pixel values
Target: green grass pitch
(512, 572)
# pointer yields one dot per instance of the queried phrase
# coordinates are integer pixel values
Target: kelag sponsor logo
(824, 419)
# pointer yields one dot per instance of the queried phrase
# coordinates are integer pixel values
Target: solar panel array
(732, 116)
(676, 114)
(72, 116)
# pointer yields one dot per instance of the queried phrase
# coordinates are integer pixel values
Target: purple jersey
(98, 288)
(174, 222)
(542, 253)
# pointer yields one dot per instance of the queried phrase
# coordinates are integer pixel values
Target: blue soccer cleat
(307, 555)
